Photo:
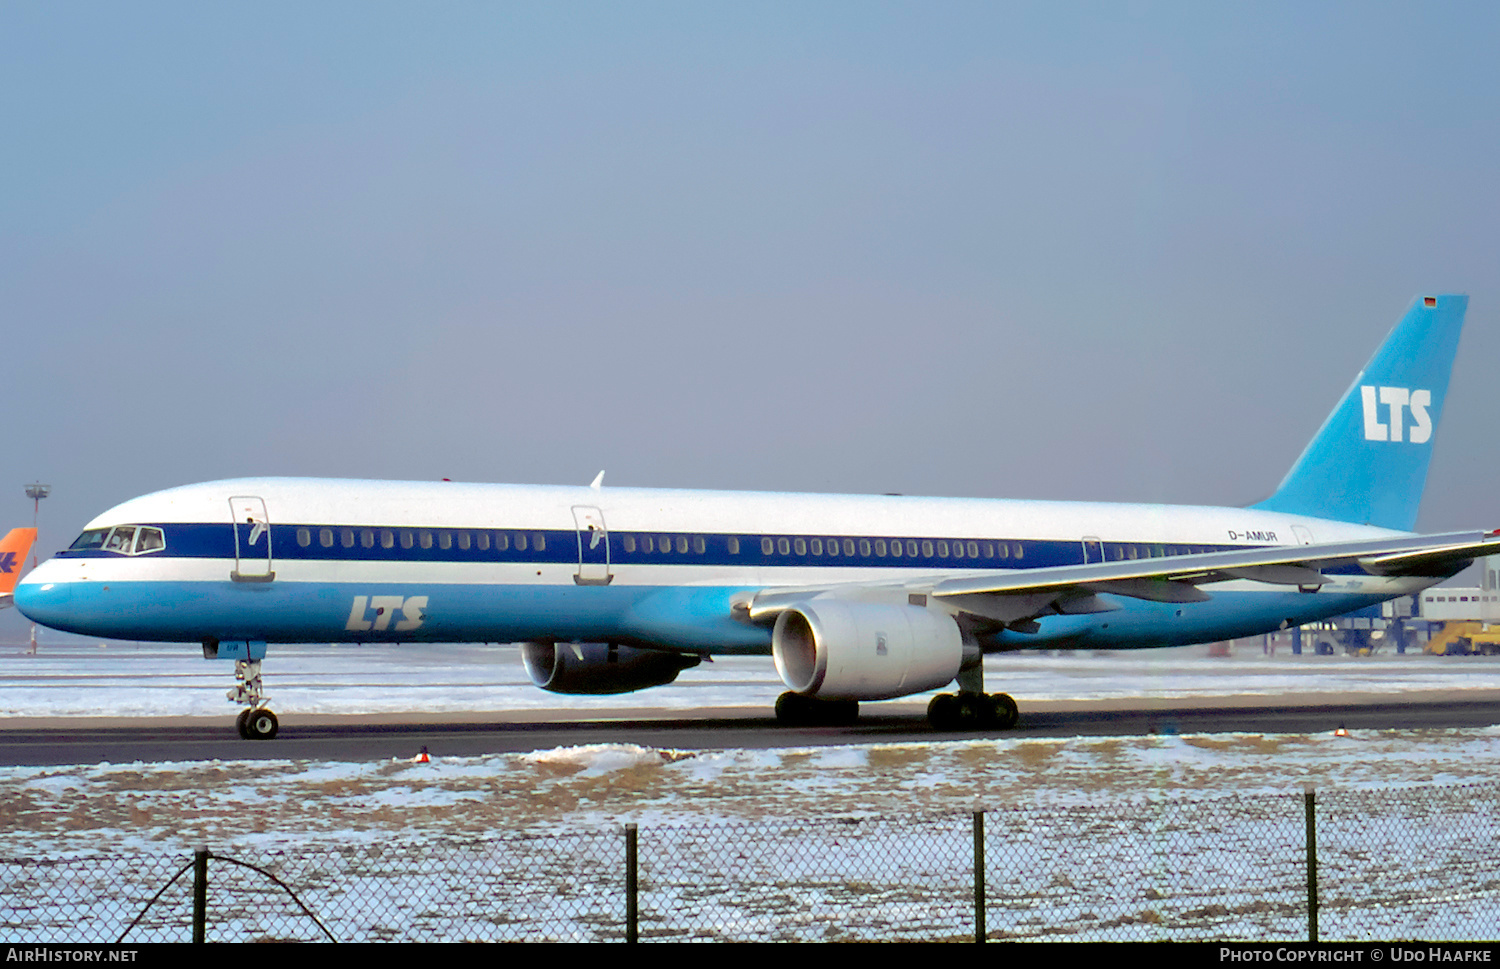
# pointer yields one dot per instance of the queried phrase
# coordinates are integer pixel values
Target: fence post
(1309, 807)
(631, 884)
(200, 894)
(979, 929)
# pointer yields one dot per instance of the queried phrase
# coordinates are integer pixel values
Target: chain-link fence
(1368, 864)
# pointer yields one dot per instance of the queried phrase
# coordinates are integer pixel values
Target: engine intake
(865, 651)
(601, 668)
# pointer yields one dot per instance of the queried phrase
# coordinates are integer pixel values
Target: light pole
(36, 491)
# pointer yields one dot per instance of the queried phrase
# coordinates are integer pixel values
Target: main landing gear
(969, 710)
(257, 722)
(796, 710)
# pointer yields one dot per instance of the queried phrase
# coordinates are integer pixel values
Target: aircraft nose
(44, 601)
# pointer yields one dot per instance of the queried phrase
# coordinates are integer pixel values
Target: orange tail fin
(13, 551)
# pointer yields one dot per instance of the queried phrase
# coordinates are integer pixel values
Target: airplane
(855, 598)
(13, 548)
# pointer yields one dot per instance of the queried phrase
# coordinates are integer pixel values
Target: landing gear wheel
(972, 711)
(796, 710)
(942, 712)
(242, 723)
(261, 725)
(841, 713)
(1004, 710)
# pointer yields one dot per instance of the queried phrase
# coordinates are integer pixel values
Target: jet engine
(864, 651)
(600, 668)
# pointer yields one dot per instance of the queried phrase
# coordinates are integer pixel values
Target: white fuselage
(337, 560)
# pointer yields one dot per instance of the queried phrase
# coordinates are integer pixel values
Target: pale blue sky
(1122, 251)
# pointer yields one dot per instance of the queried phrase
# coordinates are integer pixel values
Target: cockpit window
(124, 539)
(149, 540)
(119, 540)
(93, 538)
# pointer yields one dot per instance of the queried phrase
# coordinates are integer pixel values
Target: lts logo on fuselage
(1395, 402)
(374, 613)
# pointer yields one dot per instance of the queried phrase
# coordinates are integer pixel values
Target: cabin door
(1093, 550)
(252, 539)
(593, 546)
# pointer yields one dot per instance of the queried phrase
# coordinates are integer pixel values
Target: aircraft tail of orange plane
(13, 551)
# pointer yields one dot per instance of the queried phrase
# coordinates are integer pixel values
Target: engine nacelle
(601, 668)
(865, 651)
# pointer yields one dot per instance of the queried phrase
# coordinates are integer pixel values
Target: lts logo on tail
(1393, 403)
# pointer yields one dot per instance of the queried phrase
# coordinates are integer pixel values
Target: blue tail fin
(1368, 462)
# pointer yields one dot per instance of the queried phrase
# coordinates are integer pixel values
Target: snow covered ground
(1089, 837)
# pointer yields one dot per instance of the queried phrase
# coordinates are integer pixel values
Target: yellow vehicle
(1465, 639)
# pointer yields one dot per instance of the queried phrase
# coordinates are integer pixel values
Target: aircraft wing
(1017, 595)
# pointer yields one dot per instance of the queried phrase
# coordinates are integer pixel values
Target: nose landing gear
(256, 722)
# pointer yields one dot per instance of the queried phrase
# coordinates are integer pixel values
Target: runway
(38, 741)
(80, 703)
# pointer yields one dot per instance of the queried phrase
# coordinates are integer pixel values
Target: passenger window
(648, 543)
(734, 545)
(367, 537)
(896, 549)
(346, 537)
(989, 550)
(864, 547)
(424, 538)
(630, 543)
(463, 541)
(539, 541)
(784, 546)
(942, 549)
(880, 548)
(682, 544)
(699, 545)
(766, 548)
(407, 538)
(502, 542)
(1019, 550)
(520, 542)
(800, 545)
(445, 540)
(304, 537)
(387, 538)
(325, 537)
(664, 543)
(849, 547)
(482, 539)
(927, 549)
(973, 550)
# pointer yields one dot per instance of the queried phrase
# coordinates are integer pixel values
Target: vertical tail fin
(13, 549)
(1368, 462)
